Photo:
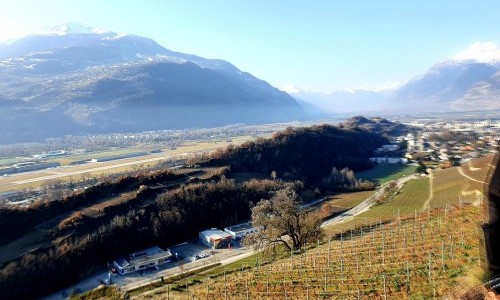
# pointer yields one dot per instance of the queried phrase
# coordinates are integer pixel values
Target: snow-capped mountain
(69, 28)
(469, 80)
(75, 80)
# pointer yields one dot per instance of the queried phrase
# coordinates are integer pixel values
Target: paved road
(67, 171)
(133, 280)
(365, 205)
(225, 257)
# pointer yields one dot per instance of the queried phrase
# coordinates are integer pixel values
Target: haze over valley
(249, 150)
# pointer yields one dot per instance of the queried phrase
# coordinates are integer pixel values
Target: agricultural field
(334, 204)
(16, 182)
(451, 187)
(434, 255)
(381, 174)
(478, 168)
(348, 200)
(406, 201)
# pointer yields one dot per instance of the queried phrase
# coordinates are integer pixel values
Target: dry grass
(450, 187)
(478, 168)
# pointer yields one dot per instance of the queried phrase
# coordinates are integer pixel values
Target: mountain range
(74, 79)
(78, 80)
(468, 81)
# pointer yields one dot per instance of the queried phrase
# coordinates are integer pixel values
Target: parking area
(190, 250)
(187, 256)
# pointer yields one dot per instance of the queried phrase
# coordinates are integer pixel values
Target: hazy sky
(316, 45)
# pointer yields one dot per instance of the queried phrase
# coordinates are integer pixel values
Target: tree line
(174, 216)
(306, 154)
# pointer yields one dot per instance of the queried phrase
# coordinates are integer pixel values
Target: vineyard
(428, 255)
(408, 200)
(394, 250)
(451, 187)
(478, 168)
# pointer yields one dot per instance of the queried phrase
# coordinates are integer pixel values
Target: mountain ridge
(103, 82)
(468, 81)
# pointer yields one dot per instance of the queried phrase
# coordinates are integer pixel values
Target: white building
(241, 230)
(143, 259)
(389, 160)
(215, 238)
(389, 148)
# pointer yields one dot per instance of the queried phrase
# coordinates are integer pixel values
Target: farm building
(141, 260)
(241, 230)
(215, 238)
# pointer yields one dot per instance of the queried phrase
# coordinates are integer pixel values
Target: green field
(381, 174)
(409, 199)
(347, 200)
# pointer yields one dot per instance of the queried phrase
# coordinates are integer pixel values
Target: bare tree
(283, 221)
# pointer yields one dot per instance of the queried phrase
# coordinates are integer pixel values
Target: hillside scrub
(18, 220)
(173, 217)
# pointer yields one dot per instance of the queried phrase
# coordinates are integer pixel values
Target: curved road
(467, 176)
(134, 280)
(365, 205)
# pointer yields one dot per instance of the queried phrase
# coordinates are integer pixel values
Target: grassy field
(381, 174)
(406, 202)
(419, 258)
(348, 200)
(450, 187)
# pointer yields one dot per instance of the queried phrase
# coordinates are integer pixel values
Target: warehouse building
(141, 260)
(241, 230)
(215, 238)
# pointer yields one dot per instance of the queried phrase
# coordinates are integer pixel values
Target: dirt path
(467, 176)
(431, 191)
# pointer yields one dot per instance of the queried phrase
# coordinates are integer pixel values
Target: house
(141, 260)
(215, 238)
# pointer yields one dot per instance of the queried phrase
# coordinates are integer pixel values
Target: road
(365, 205)
(431, 191)
(224, 257)
(66, 172)
(467, 176)
(134, 280)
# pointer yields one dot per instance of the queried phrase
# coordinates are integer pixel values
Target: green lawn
(381, 174)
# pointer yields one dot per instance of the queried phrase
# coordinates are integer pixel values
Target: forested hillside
(308, 153)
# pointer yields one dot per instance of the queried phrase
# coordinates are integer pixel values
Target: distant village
(443, 144)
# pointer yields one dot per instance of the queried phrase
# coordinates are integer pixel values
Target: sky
(315, 45)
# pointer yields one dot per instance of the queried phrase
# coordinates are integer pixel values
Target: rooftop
(143, 256)
(216, 233)
(240, 227)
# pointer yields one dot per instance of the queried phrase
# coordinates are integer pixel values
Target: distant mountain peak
(71, 27)
(481, 52)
